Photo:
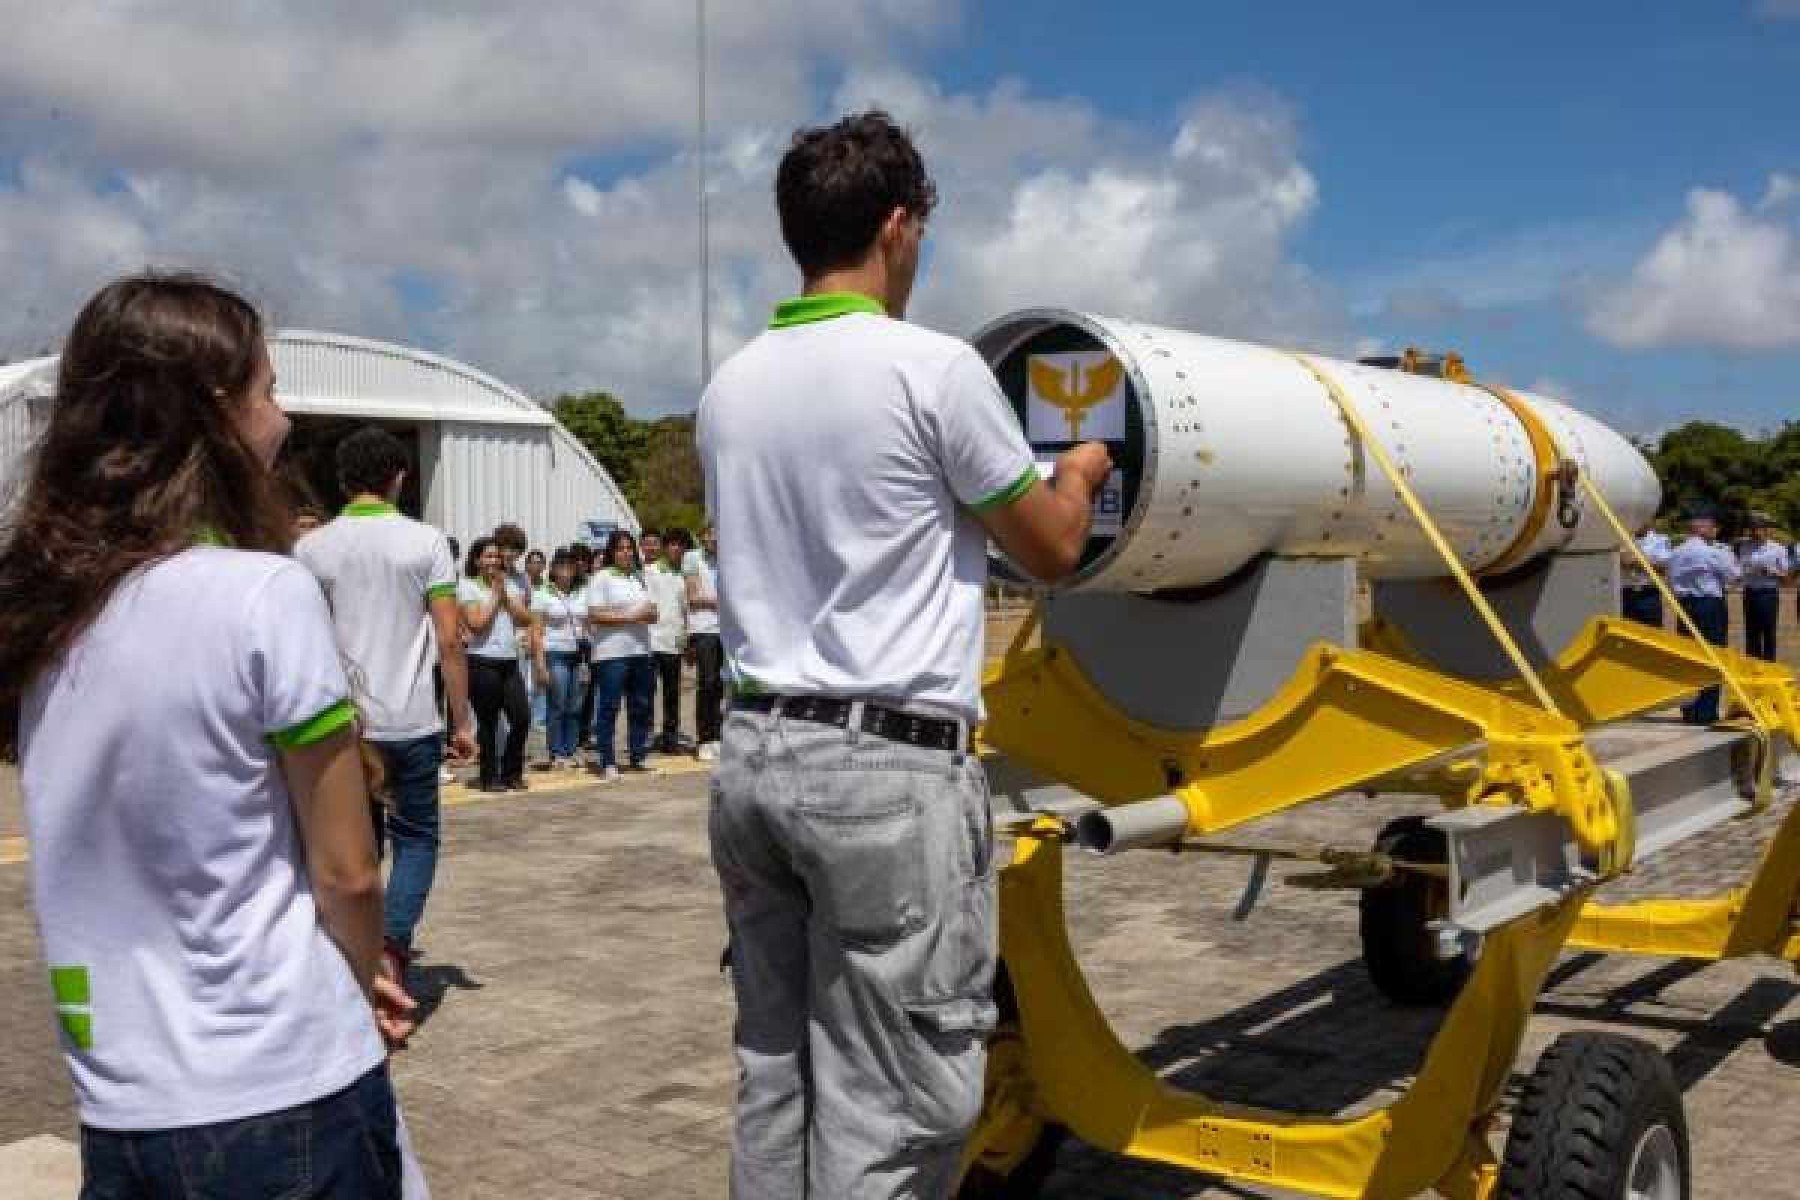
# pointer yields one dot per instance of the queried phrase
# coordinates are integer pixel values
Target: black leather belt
(878, 720)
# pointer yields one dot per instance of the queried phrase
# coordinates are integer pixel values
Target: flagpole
(700, 175)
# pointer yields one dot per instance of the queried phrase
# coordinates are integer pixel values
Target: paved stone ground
(577, 1033)
(577, 1037)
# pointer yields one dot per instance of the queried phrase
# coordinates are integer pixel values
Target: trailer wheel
(1599, 1119)
(1399, 948)
(1020, 1146)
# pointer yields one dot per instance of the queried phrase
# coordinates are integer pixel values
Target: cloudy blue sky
(1601, 200)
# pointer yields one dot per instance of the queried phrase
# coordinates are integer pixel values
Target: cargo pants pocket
(945, 989)
(862, 856)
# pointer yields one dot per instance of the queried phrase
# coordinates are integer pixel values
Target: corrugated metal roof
(14, 374)
(334, 374)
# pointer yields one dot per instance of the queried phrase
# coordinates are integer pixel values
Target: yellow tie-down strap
(1403, 488)
(1556, 772)
(1760, 719)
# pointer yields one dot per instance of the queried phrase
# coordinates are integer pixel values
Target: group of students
(568, 641)
(1701, 571)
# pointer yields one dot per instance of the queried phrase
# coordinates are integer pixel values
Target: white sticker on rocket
(1078, 396)
(1109, 501)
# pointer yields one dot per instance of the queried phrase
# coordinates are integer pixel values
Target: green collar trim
(805, 310)
(370, 508)
(206, 535)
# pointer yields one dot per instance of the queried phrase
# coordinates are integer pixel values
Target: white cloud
(509, 182)
(1782, 191)
(1723, 276)
(1047, 203)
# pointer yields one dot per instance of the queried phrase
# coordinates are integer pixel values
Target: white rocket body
(1228, 451)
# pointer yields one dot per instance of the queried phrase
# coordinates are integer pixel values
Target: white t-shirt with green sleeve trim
(380, 571)
(563, 616)
(700, 566)
(612, 589)
(501, 641)
(192, 978)
(846, 455)
(668, 591)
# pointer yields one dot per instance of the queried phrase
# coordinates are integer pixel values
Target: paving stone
(577, 1040)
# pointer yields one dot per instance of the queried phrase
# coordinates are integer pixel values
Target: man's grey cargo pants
(858, 879)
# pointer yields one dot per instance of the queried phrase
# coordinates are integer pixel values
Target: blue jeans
(562, 724)
(412, 830)
(633, 680)
(342, 1147)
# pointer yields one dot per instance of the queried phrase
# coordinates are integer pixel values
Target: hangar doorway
(308, 463)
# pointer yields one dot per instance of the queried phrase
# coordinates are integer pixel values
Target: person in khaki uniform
(856, 466)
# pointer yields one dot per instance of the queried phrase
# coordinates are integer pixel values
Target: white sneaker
(610, 775)
(708, 752)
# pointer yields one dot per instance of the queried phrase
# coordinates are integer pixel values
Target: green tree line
(1703, 463)
(654, 462)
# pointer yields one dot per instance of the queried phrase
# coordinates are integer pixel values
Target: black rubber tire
(1028, 1177)
(1583, 1113)
(1398, 950)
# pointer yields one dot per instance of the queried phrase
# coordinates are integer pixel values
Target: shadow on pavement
(1332, 1041)
(1319, 1046)
(431, 983)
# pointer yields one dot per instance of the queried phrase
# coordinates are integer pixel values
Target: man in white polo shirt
(391, 583)
(700, 578)
(856, 466)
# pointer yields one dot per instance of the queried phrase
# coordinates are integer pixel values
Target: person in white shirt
(620, 613)
(668, 637)
(496, 613)
(204, 875)
(560, 609)
(856, 466)
(1700, 572)
(1765, 564)
(700, 575)
(512, 541)
(1640, 599)
(391, 584)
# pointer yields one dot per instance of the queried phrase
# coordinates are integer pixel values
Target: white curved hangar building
(485, 452)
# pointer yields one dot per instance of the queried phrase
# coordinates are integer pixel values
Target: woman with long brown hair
(203, 871)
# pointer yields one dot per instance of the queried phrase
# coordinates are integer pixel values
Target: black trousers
(668, 681)
(496, 686)
(1642, 604)
(709, 687)
(1713, 619)
(1762, 609)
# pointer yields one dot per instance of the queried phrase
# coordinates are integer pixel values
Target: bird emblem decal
(1075, 393)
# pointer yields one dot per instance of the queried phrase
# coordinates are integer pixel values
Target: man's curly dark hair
(838, 183)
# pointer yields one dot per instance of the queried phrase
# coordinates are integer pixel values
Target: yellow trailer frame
(1357, 718)
(1349, 718)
